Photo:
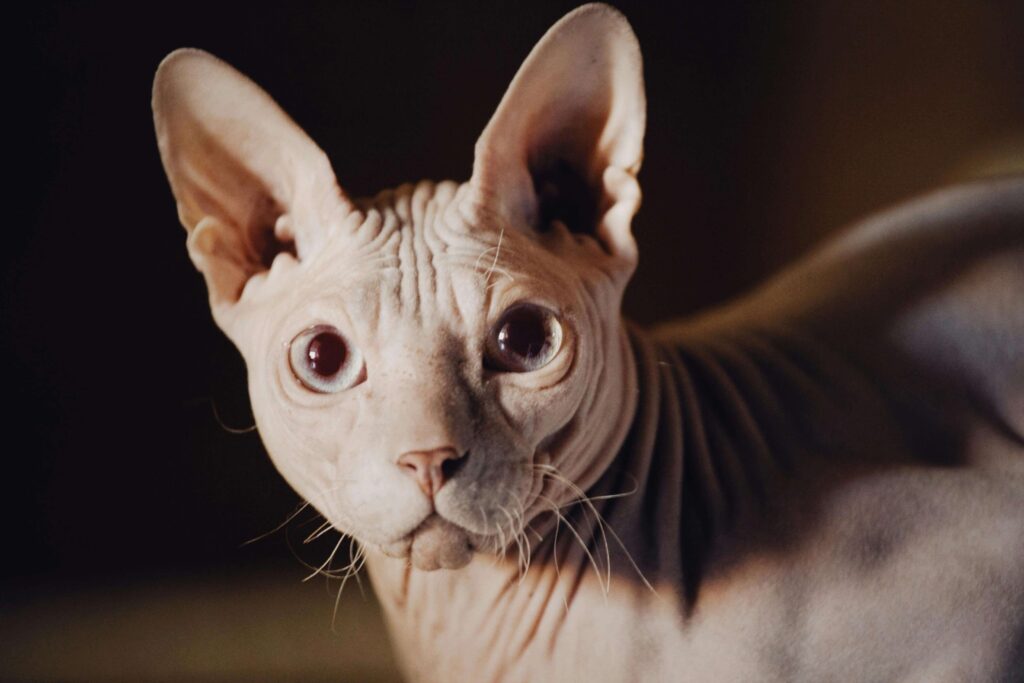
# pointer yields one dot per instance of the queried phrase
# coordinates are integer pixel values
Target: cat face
(425, 367)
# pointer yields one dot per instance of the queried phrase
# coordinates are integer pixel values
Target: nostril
(452, 465)
(431, 469)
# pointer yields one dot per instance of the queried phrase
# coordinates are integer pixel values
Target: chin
(435, 544)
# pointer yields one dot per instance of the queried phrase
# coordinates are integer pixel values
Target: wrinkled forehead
(415, 254)
(420, 227)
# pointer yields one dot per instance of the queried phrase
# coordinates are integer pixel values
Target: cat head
(433, 367)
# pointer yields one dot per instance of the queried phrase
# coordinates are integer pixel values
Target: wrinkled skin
(821, 481)
(419, 297)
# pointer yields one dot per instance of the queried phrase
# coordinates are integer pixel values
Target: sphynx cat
(822, 481)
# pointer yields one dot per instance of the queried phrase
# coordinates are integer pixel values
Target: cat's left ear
(566, 142)
(249, 183)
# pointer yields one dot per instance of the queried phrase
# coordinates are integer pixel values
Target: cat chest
(865, 596)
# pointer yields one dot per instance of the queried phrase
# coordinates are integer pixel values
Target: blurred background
(125, 503)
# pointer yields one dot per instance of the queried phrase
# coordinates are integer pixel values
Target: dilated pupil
(326, 354)
(523, 333)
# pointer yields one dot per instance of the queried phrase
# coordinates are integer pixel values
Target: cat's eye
(526, 338)
(324, 361)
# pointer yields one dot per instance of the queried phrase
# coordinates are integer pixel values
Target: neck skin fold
(687, 454)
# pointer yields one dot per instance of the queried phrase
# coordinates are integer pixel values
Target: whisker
(493, 267)
(318, 532)
(603, 525)
(488, 536)
(503, 539)
(508, 531)
(293, 515)
(320, 570)
(344, 573)
(497, 253)
(520, 560)
(554, 550)
(525, 541)
(229, 430)
(551, 507)
(521, 538)
(632, 562)
(476, 265)
(581, 497)
(503, 272)
(358, 556)
(354, 567)
(583, 544)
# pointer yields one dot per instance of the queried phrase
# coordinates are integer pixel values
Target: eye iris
(326, 354)
(523, 333)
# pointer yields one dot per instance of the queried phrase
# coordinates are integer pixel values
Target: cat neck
(494, 598)
(711, 444)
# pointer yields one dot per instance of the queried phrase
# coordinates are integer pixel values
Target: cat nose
(431, 469)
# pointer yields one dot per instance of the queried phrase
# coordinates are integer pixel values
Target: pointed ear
(249, 183)
(567, 139)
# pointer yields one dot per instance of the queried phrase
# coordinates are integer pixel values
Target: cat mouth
(435, 544)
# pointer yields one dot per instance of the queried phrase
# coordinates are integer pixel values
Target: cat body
(847, 513)
(823, 480)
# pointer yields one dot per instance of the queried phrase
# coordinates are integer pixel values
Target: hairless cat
(823, 480)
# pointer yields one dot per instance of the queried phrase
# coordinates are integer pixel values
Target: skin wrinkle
(428, 289)
(725, 461)
(697, 454)
(746, 425)
(765, 407)
(661, 510)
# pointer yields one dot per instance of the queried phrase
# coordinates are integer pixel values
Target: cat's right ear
(566, 141)
(249, 183)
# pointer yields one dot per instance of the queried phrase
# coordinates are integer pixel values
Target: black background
(769, 127)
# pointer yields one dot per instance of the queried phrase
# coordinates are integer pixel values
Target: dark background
(769, 127)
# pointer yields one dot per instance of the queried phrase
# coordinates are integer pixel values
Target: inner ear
(268, 233)
(565, 143)
(249, 184)
(272, 247)
(563, 194)
(273, 237)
